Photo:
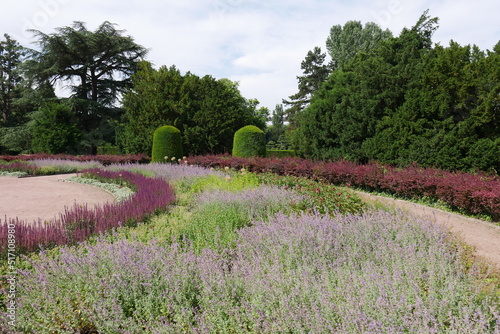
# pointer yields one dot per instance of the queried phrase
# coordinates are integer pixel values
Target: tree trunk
(94, 84)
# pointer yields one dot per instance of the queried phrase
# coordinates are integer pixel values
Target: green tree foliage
(207, 111)
(167, 144)
(55, 129)
(276, 132)
(344, 43)
(315, 73)
(18, 98)
(11, 58)
(249, 141)
(408, 101)
(96, 65)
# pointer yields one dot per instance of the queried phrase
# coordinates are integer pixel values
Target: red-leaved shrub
(474, 193)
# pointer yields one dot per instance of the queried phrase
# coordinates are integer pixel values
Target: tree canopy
(316, 71)
(408, 101)
(207, 111)
(96, 66)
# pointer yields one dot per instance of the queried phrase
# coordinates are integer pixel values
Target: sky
(259, 44)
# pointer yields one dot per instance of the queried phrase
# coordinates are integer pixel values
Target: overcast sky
(258, 43)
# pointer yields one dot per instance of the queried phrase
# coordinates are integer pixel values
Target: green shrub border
(280, 153)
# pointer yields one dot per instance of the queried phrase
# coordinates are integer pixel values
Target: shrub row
(80, 221)
(104, 159)
(474, 193)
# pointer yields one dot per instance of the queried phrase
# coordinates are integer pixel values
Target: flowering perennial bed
(372, 273)
(474, 193)
(103, 159)
(79, 222)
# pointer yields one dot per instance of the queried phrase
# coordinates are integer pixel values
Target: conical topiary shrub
(249, 141)
(167, 143)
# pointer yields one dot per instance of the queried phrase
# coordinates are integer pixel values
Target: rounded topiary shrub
(167, 144)
(249, 141)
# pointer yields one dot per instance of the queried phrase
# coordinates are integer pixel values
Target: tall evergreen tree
(315, 73)
(344, 43)
(96, 66)
(276, 131)
(370, 87)
(11, 58)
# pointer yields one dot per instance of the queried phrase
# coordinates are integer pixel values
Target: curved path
(483, 236)
(44, 197)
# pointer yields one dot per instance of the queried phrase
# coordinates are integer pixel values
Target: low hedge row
(474, 193)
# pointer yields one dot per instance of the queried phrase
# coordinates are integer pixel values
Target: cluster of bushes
(406, 100)
(79, 222)
(474, 193)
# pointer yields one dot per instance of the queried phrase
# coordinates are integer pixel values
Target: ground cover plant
(241, 253)
(120, 190)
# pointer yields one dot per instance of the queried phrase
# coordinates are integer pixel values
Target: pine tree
(315, 73)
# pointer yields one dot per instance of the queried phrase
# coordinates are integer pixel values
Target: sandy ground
(483, 236)
(44, 197)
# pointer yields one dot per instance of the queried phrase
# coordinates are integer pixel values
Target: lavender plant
(220, 214)
(58, 166)
(170, 172)
(375, 273)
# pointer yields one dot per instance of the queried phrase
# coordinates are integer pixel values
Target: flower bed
(103, 159)
(474, 193)
(377, 273)
(79, 222)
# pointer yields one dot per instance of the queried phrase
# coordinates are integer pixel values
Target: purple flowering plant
(310, 273)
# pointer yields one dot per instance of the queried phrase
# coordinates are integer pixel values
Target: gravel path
(44, 197)
(483, 236)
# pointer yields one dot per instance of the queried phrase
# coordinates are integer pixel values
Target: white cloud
(258, 43)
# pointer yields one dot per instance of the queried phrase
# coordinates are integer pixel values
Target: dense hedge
(249, 141)
(167, 143)
(474, 193)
